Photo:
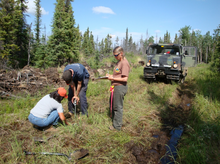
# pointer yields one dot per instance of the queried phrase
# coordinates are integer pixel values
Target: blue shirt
(80, 72)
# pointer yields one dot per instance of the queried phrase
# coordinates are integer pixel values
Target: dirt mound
(28, 80)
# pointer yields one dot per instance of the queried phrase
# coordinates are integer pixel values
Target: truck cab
(169, 61)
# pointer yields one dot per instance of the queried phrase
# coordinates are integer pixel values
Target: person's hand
(66, 122)
(77, 99)
(110, 77)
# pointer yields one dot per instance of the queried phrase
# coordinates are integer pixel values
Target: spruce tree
(86, 42)
(92, 44)
(38, 20)
(176, 39)
(22, 34)
(13, 33)
(101, 47)
(63, 45)
(107, 45)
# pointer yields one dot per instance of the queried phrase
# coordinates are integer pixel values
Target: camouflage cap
(67, 76)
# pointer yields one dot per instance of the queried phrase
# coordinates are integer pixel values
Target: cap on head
(67, 76)
(62, 92)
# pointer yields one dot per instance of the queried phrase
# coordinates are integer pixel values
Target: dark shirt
(80, 72)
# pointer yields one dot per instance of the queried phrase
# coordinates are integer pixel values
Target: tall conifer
(38, 20)
(63, 43)
(13, 33)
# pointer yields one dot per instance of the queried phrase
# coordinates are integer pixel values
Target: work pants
(82, 97)
(53, 118)
(117, 107)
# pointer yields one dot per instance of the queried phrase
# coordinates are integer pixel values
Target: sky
(142, 18)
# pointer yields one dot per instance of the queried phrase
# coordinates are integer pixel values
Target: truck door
(190, 57)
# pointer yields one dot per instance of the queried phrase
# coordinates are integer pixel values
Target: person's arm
(78, 88)
(76, 94)
(62, 117)
(121, 79)
(73, 87)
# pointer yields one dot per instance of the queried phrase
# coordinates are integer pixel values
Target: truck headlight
(175, 66)
(148, 64)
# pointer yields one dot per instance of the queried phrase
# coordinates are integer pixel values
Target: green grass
(201, 142)
(144, 107)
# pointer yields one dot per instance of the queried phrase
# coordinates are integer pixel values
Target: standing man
(77, 77)
(118, 87)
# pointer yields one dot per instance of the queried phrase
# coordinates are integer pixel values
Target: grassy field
(149, 110)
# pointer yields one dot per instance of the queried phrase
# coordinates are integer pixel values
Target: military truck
(169, 62)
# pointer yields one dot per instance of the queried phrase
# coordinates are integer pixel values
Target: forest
(24, 44)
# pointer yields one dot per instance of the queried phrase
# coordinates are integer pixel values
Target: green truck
(169, 62)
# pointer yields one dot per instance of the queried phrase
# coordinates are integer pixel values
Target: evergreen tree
(207, 42)
(216, 39)
(22, 34)
(13, 33)
(167, 37)
(96, 59)
(142, 50)
(160, 40)
(176, 39)
(193, 39)
(74, 32)
(107, 45)
(63, 44)
(86, 42)
(92, 44)
(41, 54)
(185, 35)
(117, 41)
(102, 47)
(199, 45)
(37, 21)
(151, 40)
(126, 41)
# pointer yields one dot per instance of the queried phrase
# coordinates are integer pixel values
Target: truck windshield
(163, 50)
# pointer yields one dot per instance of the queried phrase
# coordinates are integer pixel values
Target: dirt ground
(176, 114)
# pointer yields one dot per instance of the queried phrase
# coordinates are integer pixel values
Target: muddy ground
(175, 115)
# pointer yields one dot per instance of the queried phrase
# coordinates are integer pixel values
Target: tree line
(25, 44)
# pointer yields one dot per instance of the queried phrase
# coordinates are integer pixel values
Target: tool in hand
(103, 77)
(74, 103)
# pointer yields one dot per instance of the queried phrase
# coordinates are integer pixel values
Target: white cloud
(31, 8)
(102, 9)
(157, 31)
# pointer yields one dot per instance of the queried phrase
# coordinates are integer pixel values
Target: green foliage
(97, 59)
(63, 44)
(41, 56)
(88, 44)
(13, 33)
(167, 38)
(216, 56)
(38, 20)
(185, 34)
(203, 128)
